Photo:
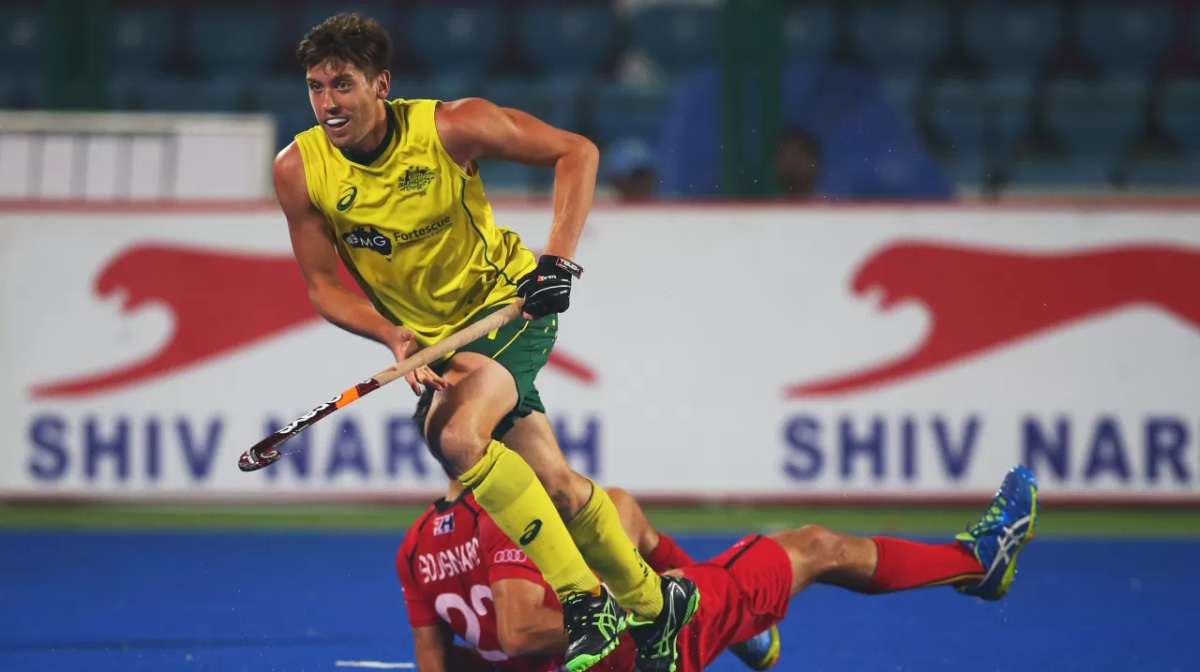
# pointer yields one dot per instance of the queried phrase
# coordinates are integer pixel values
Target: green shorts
(522, 347)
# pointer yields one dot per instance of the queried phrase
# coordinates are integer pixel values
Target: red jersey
(454, 552)
(447, 563)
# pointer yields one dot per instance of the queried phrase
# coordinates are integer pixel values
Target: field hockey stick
(267, 451)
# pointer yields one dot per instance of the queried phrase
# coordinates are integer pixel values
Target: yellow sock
(607, 548)
(506, 487)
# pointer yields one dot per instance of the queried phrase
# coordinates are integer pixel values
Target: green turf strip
(1061, 522)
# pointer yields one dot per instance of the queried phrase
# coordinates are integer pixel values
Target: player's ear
(383, 84)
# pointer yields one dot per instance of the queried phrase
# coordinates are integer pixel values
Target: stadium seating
(219, 93)
(453, 38)
(1059, 172)
(986, 117)
(1012, 38)
(968, 170)
(554, 100)
(627, 110)
(10, 95)
(1095, 117)
(1124, 39)
(22, 40)
(243, 42)
(1008, 90)
(678, 38)
(568, 40)
(314, 12)
(904, 90)
(1193, 41)
(1177, 112)
(810, 31)
(505, 176)
(1162, 172)
(142, 40)
(906, 37)
(285, 98)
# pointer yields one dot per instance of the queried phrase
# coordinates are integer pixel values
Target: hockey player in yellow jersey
(391, 186)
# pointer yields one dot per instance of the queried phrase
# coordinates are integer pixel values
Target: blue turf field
(302, 601)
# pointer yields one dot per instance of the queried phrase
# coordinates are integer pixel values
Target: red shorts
(743, 591)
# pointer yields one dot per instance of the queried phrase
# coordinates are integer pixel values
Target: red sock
(907, 564)
(667, 555)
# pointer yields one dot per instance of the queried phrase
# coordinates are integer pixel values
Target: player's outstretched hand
(547, 288)
(404, 344)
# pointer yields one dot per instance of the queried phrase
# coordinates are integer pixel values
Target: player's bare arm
(313, 247)
(526, 626)
(639, 528)
(433, 644)
(436, 651)
(474, 128)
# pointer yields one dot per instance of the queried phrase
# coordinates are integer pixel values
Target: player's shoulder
(289, 160)
(413, 110)
(291, 183)
(294, 154)
(461, 110)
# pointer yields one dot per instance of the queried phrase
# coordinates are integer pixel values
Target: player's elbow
(582, 151)
(634, 520)
(322, 292)
(516, 641)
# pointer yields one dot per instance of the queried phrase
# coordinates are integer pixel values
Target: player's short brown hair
(349, 37)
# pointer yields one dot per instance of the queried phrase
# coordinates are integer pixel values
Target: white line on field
(376, 665)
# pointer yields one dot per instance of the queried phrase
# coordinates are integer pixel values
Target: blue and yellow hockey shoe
(761, 651)
(1003, 531)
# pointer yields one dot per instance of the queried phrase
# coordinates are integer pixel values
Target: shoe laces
(577, 617)
(993, 517)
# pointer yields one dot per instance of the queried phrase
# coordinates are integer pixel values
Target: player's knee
(835, 550)
(457, 444)
(813, 548)
(620, 498)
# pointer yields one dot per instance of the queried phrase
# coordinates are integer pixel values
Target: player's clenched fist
(547, 288)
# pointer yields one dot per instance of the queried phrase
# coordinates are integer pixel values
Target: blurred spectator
(798, 163)
(632, 171)
(870, 149)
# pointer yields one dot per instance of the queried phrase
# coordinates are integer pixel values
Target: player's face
(344, 101)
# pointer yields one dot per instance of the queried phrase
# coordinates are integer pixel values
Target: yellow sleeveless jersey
(414, 228)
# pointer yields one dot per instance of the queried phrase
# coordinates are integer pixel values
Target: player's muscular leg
(593, 521)
(458, 429)
(876, 564)
(820, 555)
(461, 418)
(660, 550)
(533, 438)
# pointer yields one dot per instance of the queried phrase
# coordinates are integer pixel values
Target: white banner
(773, 353)
(146, 156)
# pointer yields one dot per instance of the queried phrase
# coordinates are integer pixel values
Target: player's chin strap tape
(564, 263)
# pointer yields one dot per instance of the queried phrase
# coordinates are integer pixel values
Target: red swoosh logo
(980, 299)
(221, 302)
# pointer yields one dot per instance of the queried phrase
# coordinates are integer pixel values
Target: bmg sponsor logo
(368, 237)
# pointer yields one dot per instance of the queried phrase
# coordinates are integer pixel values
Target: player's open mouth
(336, 122)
